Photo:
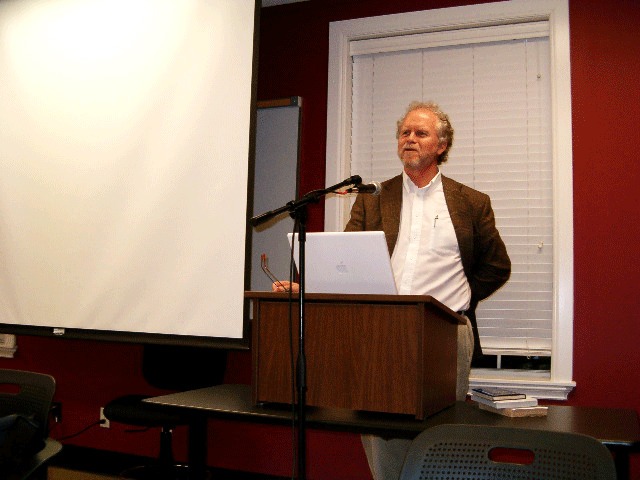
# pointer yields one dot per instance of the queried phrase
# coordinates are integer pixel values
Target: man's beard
(418, 165)
(415, 162)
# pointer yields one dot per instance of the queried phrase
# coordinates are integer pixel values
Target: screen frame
(239, 343)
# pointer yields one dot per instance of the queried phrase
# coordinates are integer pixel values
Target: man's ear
(442, 147)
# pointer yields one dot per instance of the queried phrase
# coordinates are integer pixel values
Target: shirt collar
(411, 187)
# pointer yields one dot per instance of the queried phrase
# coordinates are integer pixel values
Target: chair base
(162, 472)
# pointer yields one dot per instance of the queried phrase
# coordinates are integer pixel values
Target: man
(441, 234)
(443, 242)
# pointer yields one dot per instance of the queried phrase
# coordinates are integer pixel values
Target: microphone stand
(299, 211)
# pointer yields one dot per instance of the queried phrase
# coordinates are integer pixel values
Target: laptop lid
(347, 262)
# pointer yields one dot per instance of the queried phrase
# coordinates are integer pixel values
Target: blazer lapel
(390, 208)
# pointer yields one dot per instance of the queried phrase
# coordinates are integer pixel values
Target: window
(501, 75)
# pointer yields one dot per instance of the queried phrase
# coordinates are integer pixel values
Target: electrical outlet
(105, 421)
(56, 411)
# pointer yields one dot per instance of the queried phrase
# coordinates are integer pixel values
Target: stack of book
(507, 402)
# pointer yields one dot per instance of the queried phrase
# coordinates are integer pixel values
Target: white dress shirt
(426, 259)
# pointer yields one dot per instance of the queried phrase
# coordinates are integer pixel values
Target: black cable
(94, 424)
(292, 270)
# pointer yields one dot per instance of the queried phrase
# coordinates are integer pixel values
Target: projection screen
(124, 165)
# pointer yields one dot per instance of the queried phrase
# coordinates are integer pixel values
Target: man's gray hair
(444, 128)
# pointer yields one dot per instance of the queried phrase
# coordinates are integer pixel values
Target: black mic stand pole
(298, 210)
(300, 215)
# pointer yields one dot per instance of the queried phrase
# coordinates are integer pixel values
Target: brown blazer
(484, 255)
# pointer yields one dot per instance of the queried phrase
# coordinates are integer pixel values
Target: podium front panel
(381, 356)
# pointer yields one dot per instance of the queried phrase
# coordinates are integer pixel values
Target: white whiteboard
(276, 180)
(124, 146)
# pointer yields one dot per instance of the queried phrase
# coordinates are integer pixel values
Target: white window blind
(495, 86)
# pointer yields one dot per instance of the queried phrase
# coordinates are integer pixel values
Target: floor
(57, 473)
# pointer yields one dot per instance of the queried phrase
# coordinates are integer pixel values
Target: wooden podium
(380, 353)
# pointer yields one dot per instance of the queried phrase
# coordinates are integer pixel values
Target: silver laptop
(347, 262)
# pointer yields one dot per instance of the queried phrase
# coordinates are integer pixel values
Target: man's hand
(285, 286)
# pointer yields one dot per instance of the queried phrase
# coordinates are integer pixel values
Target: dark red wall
(605, 51)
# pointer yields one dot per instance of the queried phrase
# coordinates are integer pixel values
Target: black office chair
(483, 452)
(29, 394)
(169, 367)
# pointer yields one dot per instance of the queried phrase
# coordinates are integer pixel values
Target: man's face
(418, 144)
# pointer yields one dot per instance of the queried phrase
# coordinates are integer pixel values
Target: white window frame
(558, 382)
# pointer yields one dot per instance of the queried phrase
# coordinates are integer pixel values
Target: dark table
(616, 428)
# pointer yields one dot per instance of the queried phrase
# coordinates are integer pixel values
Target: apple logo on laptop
(342, 268)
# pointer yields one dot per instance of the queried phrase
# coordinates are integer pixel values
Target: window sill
(533, 383)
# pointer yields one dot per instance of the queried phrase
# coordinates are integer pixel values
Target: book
(515, 403)
(497, 393)
(537, 411)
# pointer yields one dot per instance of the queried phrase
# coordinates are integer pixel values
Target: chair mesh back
(34, 395)
(463, 452)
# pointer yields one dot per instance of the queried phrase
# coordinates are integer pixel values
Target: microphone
(373, 188)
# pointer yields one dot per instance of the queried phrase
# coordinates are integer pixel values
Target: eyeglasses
(264, 264)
